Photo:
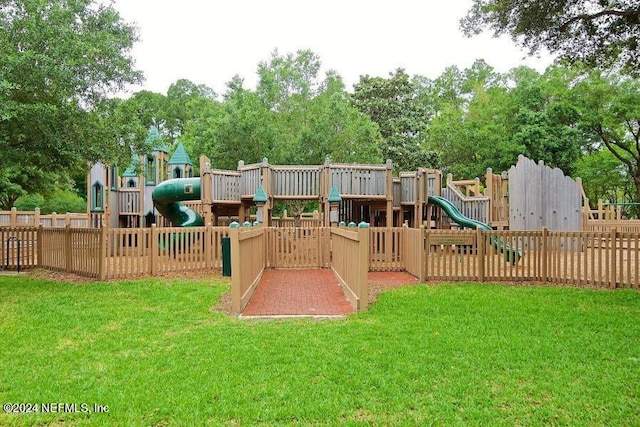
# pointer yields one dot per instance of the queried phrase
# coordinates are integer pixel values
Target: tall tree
(610, 110)
(595, 32)
(394, 104)
(60, 62)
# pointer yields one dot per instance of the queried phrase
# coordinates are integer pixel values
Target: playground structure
(528, 224)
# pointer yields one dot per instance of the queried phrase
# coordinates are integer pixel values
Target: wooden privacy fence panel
(385, 249)
(298, 247)
(350, 265)
(18, 242)
(248, 260)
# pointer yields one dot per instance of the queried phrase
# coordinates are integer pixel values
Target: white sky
(209, 41)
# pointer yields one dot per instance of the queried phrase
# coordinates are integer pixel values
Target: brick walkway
(311, 292)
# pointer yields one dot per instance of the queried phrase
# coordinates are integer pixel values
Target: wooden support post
(480, 253)
(363, 268)
(102, 253)
(40, 246)
(545, 254)
(236, 273)
(13, 217)
(67, 249)
(425, 239)
(208, 250)
(614, 256)
(153, 252)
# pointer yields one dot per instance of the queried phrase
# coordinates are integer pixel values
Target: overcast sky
(209, 41)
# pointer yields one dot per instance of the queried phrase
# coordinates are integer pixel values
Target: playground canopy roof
(180, 156)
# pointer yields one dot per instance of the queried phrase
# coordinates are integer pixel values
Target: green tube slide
(512, 255)
(168, 195)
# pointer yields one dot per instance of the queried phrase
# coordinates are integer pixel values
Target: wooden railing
(350, 264)
(248, 261)
(225, 185)
(249, 179)
(15, 218)
(129, 201)
(359, 180)
(298, 182)
(622, 225)
(474, 207)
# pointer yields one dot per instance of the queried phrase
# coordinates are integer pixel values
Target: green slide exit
(512, 255)
(168, 195)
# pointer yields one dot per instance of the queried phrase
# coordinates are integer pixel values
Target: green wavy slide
(511, 255)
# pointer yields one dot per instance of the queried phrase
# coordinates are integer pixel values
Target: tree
(598, 33)
(609, 107)
(60, 63)
(543, 117)
(395, 106)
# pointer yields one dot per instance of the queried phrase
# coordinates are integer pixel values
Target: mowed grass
(155, 353)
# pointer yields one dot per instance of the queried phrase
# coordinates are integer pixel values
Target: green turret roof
(180, 156)
(154, 138)
(131, 169)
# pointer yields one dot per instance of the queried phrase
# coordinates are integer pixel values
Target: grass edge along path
(154, 353)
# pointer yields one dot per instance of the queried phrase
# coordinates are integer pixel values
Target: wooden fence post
(208, 246)
(480, 240)
(363, 267)
(102, 253)
(545, 253)
(40, 247)
(236, 272)
(153, 251)
(13, 217)
(614, 256)
(67, 248)
(426, 257)
(422, 259)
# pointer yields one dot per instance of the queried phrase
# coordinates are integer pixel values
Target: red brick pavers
(312, 292)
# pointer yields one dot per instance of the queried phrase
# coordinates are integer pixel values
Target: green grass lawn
(154, 353)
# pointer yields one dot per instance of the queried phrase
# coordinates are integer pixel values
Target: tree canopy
(60, 63)
(598, 33)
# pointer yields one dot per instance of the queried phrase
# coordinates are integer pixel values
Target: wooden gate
(302, 247)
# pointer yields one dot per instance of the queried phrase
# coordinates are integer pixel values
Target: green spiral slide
(168, 195)
(511, 255)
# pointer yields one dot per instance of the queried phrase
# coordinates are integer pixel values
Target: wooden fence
(350, 264)
(248, 261)
(16, 218)
(18, 246)
(594, 258)
(301, 247)
(385, 251)
(114, 253)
